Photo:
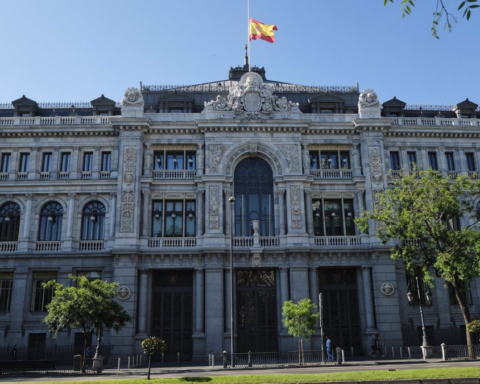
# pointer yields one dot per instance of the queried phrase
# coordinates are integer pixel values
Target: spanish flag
(262, 31)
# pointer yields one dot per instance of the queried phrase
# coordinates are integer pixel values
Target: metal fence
(460, 352)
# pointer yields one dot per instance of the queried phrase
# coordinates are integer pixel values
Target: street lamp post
(428, 296)
(232, 332)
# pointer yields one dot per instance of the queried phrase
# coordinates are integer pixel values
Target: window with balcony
(24, 160)
(47, 162)
(174, 218)
(9, 222)
(394, 161)
(42, 296)
(6, 157)
(65, 162)
(450, 161)
(87, 162)
(93, 221)
(432, 160)
(51, 218)
(6, 288)
(333, 217)
(106, 161)
(412, 159)
(174, 160)
(325, 159)
(471, 161)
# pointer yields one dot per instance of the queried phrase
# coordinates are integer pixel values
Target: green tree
(443, 13)
(152, 345)
(300, 319)
(88, 305)
(474, 327)
(421, 214)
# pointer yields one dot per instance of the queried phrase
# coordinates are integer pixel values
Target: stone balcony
(56, 120)
(174, 173)
(332, 173)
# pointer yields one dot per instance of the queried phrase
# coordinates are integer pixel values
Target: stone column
(283, 289)
(309, 212)
(146, 210)
(19, 306)
(228, 276)
(75, 165)
(281, 210)
(70, 215)
(200, 214)
(360, 206)
(27, 217)
(314, 291)
(355, 160)
(367, 295)
(214, 310)
(96, 163)
(142, 302)
(199, 307)
(113, 210)
(32, 166)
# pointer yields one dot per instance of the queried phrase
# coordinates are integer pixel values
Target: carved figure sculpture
(368, 104)
(132, 98)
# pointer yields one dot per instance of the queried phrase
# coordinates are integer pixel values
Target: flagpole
(248, 36)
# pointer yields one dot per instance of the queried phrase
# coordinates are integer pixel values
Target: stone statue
(306, 160)
(368, 105)
(132, 98)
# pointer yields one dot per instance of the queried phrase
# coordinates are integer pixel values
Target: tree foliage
(421, 213)
(443, 13)
(151, 346)
(88, 305)
(474, 327)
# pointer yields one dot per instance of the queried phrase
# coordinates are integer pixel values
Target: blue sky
(65, 50)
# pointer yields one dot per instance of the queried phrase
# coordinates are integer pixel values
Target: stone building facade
(139, 192)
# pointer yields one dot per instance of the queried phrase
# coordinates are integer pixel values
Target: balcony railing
(338, 241)
(63, 175)
(249, 241)
(86, 174)
(8, 246)
(56, 120)
(174, 174)
(431, 121)
(91, 245)
(3, 176)
(172, 242)
(332, 173)
(44, 175)
(48, 246)
(22, 175)
(104, 174)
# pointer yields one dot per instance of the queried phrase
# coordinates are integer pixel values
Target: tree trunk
(466, 317)
(149, 366)
(99, 342)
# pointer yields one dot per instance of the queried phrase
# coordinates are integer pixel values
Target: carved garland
(214, 207)
(128, 186)
(291, 154)
(375, 165)
(296, 205)
(216, 153)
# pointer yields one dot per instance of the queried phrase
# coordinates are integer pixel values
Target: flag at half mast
(262, 31)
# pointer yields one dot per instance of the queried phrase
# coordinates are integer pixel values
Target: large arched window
(93, 221)
(9, 222)
(254, 197)
(51, 222)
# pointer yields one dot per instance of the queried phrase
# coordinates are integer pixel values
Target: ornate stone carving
(355, 156)
(368, 105)
(256, 259)
(214, 209)
(123, 292)
(291, 154)
(200, 156)
(147, 159)
(128, 190)
(387, 289)
(251, 98)
(332, 195)
(375, 165)
(306, 159)
(245, 148)
(296, 206)
(216, 153)
(132, 98)
(253, 148)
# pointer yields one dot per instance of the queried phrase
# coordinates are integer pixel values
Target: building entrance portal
(341, 319)
(172, 312)
(256, 305)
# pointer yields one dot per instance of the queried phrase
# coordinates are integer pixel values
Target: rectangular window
(333, 218)
(432, 160)
(6, 287)
(471, 162)
(412, 159)
(314, 160)
(450, 161)
(174, 160)
(91, 275)
(24, 160)
(87, 161)
(106, 161)
(191, 161)
(317, 218)
(41, 296)
(6, 162)
(329, 160)
(394, 161)
(65, 162)
(158, 161)
(465, 293)
(174, 219)
(47, 161)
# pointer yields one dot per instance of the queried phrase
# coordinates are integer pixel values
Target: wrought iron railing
(278, 359)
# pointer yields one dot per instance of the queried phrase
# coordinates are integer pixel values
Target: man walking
(328, 346)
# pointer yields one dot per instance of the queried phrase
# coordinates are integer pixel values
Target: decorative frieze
(296, 206)
(375, 165)
(173, 195)
(291, 154)
(332, 195)
(216, 153)
(246, 148)
(214, 210)
(128, 190)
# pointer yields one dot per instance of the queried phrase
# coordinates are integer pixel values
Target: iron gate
(256, 305)
(172, 312)
(341, 319)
